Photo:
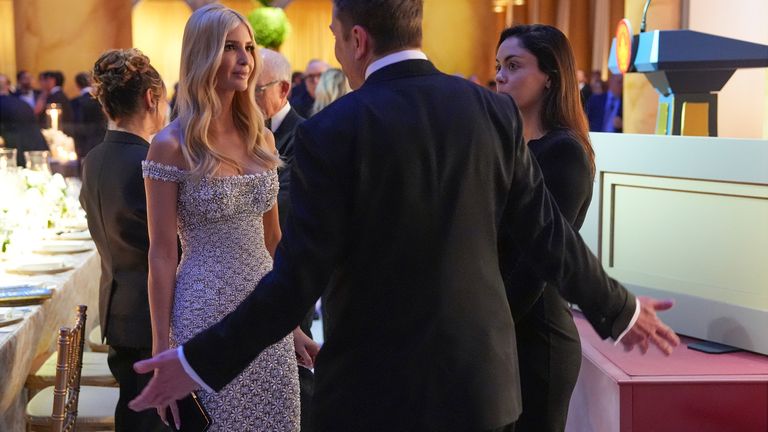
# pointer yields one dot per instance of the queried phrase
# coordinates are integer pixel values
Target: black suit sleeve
(308, 253)
(558, 255)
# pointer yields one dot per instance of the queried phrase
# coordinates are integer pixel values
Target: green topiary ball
(270, 26)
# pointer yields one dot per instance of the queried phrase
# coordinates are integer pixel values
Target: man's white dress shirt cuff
(191, 372)
(632, 322)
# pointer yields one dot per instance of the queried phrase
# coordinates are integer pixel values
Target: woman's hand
(306, 349)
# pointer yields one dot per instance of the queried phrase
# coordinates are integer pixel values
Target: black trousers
(121, 360)
(549, 355)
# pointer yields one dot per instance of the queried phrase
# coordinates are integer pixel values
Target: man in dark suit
(302, 101)
(402, 196)
(114, 200)
(272, 88)
(51, 83)
(604, 110)
(19, 128)
(24, 90)
(90, 122)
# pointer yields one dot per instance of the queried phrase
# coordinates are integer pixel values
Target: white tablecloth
(25, 345)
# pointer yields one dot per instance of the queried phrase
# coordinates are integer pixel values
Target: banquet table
(25, 346)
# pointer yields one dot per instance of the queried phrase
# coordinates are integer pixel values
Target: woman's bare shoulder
(166, 146)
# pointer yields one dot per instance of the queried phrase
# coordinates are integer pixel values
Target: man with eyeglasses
(303, 101)
(272, 88)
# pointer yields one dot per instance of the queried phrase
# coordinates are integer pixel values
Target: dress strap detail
(158, 171)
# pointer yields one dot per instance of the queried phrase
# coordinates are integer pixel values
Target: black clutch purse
(192, 415)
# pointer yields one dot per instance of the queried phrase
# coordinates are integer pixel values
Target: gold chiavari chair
(67, 406)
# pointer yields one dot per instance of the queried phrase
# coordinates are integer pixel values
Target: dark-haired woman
(132, 95)
(535, 66)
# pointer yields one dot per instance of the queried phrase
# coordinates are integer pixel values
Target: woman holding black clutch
(535, 66)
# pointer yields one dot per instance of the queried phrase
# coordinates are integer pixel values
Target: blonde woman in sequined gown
(211, 176)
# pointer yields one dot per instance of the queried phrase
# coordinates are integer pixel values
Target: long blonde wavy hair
(198, 103)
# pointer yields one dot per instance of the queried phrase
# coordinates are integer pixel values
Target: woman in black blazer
(132, 95)
(535, 66)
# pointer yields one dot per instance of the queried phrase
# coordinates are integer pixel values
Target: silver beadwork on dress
(223, 258)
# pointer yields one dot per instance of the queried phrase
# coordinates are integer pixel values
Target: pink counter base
(687, 391)
(682, 361)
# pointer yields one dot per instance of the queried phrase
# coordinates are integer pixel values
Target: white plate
(75, 224)
(39, 267)
(63, 247)
(74, 235)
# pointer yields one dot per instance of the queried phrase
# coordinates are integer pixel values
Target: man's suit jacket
(403, 196)
(90, 124)
(19, 128)
(113, 197)
(284, 142)
(35, 94)
(284, 136)
(301, 101)
(595, 109)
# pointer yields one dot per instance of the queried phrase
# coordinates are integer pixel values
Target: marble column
(68, 36)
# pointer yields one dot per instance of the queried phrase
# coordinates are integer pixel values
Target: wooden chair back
(69, 364)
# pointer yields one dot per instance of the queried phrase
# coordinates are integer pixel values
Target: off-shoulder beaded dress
(223, 258)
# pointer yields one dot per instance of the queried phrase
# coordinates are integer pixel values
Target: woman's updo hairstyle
(120, 79)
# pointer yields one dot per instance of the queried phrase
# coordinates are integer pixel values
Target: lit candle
(53, 113)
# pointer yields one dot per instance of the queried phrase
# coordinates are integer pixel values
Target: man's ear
(285, 88)
(363, 42)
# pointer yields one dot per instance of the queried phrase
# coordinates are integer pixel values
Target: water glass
(7, 158)
(37, 160)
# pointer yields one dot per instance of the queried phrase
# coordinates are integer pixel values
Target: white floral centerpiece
(30, 203)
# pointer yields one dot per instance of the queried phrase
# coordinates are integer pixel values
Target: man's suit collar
(286, 127)
(402, 69)
(124, 137)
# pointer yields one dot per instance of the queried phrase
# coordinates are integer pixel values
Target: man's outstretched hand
(649, 329)
(169, 384)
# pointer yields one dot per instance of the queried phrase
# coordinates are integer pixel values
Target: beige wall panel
(742, 110)
(460, 36)
(242, 6)
(7, 40)
(692, 237)
(580, 34)
(69, 35)
(158, 28)
(765, 107)
(310, 37)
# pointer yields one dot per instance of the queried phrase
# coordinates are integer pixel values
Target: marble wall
(68, 36)
(7, 40)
